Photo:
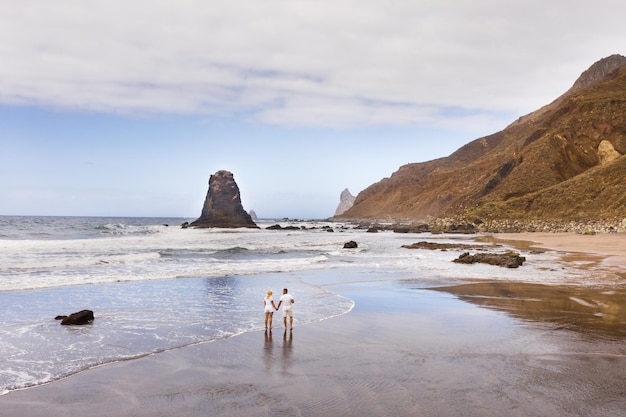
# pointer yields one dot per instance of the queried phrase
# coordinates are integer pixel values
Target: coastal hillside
(562, 162)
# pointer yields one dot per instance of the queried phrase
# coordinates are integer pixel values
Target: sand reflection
(591, 311)
(269, 357)
(268, 351)
(287, 345)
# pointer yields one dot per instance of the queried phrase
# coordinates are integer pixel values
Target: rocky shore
(462, 226)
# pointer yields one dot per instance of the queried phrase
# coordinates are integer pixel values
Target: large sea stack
(222, 206)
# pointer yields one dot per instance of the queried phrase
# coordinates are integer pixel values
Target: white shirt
(286, 299)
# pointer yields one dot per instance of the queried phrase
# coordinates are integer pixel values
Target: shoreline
(477, 349)
(606, 251)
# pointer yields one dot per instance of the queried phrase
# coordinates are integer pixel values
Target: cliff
(564, 161)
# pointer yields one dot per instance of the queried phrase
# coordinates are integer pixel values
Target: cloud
(340, 63)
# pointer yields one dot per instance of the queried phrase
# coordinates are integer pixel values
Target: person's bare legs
(291, 322)
(270, 320)
(267, 315)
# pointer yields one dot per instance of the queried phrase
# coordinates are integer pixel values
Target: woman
(270, 307)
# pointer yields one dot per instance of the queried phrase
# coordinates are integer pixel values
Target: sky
(125, 108)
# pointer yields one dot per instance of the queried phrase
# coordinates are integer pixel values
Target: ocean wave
(134, 319)
(235, 250)
(120, 229)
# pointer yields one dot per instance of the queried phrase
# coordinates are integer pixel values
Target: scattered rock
(435, 228)
(350, 245)
(440, 246)
(79, 318)
(411, 228)
(279, 227)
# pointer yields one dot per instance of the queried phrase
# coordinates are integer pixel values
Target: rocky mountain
(563, 162)
(222, 206)
(346, 201)
(253, 215)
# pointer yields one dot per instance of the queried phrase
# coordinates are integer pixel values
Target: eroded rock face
(222, 206)
(607, 153)
(346, 200)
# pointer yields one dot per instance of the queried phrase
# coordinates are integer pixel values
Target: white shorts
(269, 310)
(287, 311)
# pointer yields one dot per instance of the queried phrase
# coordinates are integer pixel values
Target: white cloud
(313, 63)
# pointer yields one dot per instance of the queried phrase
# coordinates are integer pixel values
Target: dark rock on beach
(78, 318)
(507, 260)
(350, 245)
(435, 227)
(440, 246)
(222, 206)
(279, 227)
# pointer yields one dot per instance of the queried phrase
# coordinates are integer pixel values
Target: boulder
(222, 206)
(440, 246)
(507, 260)
(78, 318)
(607, 153)
(279, 227)
(350, 245)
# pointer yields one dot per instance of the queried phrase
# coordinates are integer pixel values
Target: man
(287, 310)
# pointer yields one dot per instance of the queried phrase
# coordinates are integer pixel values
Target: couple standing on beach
(270, 307)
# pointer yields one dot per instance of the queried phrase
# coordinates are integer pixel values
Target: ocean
(154, 286)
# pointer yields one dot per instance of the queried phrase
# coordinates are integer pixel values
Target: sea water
(154, 286)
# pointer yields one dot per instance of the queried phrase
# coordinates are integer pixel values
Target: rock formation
(563, 162)
(78, 318)
(506, 260)
(346, 200)
(253, 215)
(607, 153)
(222, 206)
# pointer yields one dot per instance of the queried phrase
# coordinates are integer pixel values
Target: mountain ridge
(564, 161)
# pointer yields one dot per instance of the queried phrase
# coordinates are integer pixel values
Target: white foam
(134, 319)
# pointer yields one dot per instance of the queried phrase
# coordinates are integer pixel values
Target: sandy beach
(477, 349)
(611, 246)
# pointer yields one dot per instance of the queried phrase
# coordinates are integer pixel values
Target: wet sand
(476, 349)
(402, 351)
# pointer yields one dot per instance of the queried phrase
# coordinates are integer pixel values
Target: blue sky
(126, 108)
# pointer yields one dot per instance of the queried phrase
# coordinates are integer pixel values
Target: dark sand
(403, 351)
